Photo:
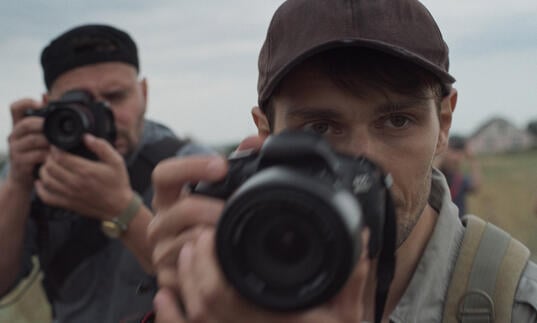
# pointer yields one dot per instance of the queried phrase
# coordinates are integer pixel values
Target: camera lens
(287, 241)
(286, 244)
(65, 126)
(282, 244)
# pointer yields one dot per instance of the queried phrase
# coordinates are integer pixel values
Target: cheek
(128, 117)
(410, 168)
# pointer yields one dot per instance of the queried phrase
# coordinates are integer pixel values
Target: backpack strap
(486, 275)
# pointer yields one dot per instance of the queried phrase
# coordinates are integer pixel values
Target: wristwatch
(115, 227)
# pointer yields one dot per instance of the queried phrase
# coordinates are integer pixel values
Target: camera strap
(150, 155)
(386, 266)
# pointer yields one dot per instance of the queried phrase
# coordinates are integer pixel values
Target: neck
(408, 256)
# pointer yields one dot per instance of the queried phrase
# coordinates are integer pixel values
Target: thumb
(103, 149)
(251, 143)
(166, 308)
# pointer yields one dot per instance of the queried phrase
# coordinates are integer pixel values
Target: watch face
(111, 229)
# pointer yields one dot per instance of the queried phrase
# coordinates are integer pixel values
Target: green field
(508, 195)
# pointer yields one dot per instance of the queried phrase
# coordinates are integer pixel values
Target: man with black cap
(372, 78)
(86, 218)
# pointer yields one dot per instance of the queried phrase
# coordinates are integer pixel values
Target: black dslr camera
(289, 235)
(73, 115)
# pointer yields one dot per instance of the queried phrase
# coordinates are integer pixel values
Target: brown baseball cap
(302, 28)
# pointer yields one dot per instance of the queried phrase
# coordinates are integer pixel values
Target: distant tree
(532, 127)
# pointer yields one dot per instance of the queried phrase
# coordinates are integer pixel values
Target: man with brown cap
(371, 77)
(85, 218)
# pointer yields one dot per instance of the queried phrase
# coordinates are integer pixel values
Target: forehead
(95, 77)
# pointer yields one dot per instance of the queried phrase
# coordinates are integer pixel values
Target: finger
(213, 294)
(165, 256)
(19, 107)
(191, 211)
(188, 286)
(172, 174)
(252, 142)
(50, 197)
(103, 149)
(166, 250)
(350, 300)
(57, 179)
(31, 158)
(166, 308)
(29, 142)
(71, 163)
(26, 127)
(209, 280)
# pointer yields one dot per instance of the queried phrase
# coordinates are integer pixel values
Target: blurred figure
(462, 171)
(535, 205)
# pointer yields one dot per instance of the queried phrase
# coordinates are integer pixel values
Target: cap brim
(398, 52)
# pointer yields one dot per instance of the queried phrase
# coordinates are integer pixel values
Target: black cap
(85, 45)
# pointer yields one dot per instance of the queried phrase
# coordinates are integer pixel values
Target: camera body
(290, 233)
(73, 115)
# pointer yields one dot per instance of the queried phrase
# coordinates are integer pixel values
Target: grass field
(508, 195)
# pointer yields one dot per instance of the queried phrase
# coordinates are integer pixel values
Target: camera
(289, 235)
(73, 115)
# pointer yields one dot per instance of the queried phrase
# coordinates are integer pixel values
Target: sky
(200, 57)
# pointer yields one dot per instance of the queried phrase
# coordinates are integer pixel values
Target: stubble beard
(407, 222)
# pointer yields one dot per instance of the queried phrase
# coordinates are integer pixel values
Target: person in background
(86, 218)
(462, 171)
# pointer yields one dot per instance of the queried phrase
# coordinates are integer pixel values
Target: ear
(447, 107)
(261, 122)
(45, 97)
(143, 85)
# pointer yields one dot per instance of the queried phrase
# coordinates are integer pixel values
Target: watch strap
(130, 211)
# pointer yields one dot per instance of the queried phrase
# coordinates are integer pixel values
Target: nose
(359, 143)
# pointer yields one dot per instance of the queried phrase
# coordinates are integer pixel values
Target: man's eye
(115, 96)
(319, 127)
(397, 121)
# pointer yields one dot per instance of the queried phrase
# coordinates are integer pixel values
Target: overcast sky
(200, 57)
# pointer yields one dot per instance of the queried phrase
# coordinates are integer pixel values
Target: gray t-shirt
(109, 285)
(423, 300)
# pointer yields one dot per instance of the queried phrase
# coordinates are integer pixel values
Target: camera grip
(219, 189)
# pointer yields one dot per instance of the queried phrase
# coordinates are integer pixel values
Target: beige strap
(486, 275)
(461, 273)
(511, 269)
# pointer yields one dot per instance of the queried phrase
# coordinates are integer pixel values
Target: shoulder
(525, 307)
(157, 134)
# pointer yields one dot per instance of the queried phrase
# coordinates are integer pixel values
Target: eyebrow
(312, 112)
(116, 91)
(402, 105)
(308, 112)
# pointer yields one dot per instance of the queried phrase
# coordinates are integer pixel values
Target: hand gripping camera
(289, 235)
(73, 115)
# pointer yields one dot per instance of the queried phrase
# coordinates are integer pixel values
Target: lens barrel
(287, 241)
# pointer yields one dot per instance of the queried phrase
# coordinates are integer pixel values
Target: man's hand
(181, 216)
(98, 189)
(207, 297)
(28, 147)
